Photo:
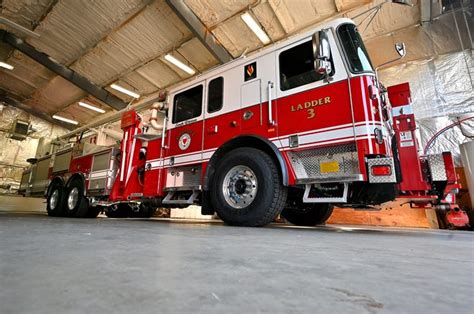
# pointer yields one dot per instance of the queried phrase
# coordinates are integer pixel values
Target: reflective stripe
(314, 138)
(406, 109)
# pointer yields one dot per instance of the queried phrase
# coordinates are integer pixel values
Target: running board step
(171, 198)
(307, 198)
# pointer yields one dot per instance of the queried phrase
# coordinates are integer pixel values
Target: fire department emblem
(250, 71)
(184, 141)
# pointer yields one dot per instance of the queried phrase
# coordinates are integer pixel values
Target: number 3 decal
(311, 113)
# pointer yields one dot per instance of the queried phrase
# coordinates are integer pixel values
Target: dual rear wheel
(70, 201)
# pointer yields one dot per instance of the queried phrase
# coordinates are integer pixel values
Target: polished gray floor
(57, 265)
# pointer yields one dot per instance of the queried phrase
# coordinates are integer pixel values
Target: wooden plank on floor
(396, 216)
(19, 204)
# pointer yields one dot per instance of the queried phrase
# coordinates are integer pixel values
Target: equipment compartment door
(251, 104)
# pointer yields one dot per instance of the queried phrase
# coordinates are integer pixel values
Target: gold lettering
(309, 104)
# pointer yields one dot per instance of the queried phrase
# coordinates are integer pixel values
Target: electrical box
(19, 130)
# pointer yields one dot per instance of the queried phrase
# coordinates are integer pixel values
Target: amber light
(381, 170)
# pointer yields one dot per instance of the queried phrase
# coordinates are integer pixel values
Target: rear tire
(247, 188)
(77, 204)
(308, 214)
(56, 201)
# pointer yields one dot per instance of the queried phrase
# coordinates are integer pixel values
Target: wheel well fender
(254, 141)
(78, 176)
(56, 180)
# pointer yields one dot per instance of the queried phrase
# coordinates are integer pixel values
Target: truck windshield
(354, 48)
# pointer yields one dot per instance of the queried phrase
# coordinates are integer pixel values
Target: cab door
(306, 101)
(221, 111)
(185, 137)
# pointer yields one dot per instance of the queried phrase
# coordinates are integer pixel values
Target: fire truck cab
(295, 129)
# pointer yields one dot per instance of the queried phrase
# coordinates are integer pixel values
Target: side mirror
(322, 52)
(401, 50)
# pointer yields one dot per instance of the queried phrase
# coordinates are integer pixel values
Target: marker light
(381, 170)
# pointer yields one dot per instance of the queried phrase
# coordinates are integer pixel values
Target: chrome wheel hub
(72, 198)
(240, 186)
(53, 200)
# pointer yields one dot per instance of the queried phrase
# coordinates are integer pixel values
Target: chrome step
(169, 199)
(341, 199)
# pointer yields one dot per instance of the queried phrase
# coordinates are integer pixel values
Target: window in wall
(187, 104)
(215, 97)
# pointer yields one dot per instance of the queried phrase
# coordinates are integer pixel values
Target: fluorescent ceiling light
(6, 66)
(85, 105)
(179, 64)
(65, 119)
(253, 25)
(125, 91)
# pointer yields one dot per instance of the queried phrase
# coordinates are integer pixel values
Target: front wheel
(247, 188)
(308, 214)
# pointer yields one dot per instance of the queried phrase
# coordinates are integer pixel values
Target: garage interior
(69, 70)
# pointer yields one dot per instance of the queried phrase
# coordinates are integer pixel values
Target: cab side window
(215, 97)
(187, 104)
(297, 66)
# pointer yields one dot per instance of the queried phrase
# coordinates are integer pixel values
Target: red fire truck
(293, 129)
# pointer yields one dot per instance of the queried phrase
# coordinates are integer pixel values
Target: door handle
(213, 129)
(270, 105)
(163, 133)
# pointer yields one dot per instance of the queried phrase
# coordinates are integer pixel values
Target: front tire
(247, 188)
(55, 202)
(308, 214)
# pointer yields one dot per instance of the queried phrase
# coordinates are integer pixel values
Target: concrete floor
(58, 265)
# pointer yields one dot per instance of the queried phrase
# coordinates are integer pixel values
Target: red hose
(433, 138)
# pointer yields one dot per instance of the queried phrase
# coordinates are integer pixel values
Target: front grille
(307, 163)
